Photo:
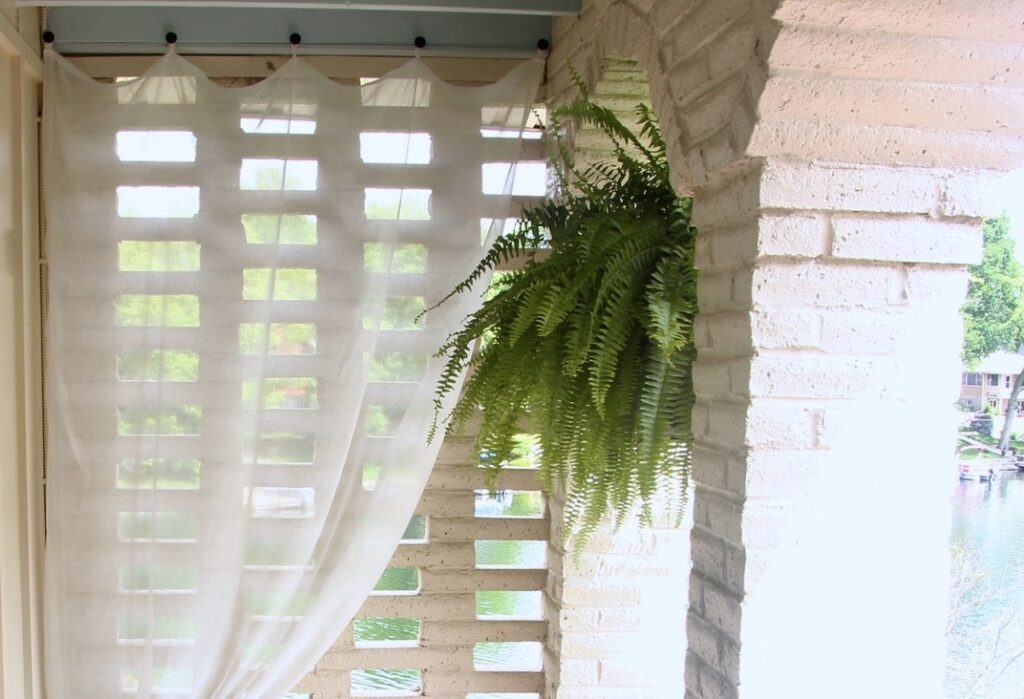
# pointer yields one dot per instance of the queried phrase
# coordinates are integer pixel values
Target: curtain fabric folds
(239, 381)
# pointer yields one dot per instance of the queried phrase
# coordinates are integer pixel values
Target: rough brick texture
(617, 620)
(839, 154)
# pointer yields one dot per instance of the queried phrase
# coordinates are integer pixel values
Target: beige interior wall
(20, 430)
(24, 21)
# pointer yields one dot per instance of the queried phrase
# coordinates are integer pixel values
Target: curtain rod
(418, 48)
(469, 71)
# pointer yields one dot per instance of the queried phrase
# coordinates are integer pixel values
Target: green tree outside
(994, 311)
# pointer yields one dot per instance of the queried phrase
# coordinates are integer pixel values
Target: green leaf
(591, 343)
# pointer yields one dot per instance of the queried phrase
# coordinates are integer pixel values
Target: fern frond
(594, 341)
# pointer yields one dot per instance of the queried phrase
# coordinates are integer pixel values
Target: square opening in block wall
(387, 682)
(398, 580)
(508, 656)
(505, 604)
(526, 504)
(511, 553)
(387, 632)
(416, 531)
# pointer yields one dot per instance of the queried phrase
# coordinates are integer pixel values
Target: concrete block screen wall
(460, 612)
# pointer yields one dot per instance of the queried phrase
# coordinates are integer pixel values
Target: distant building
(990, 383)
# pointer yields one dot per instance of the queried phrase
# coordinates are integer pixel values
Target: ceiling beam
(497, 7)
(233, 31)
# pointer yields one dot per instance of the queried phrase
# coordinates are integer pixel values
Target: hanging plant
(591, 340)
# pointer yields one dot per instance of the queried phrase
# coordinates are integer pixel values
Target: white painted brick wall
(994, 20)
(620, 616)
(927, 59)
(817, 186)
(905, 239)
(838, 203)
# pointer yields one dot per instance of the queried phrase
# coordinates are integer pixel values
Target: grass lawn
(1015, 443)
(975, 455)
(968, 451)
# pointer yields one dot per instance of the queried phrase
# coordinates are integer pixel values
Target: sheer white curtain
(239, 387)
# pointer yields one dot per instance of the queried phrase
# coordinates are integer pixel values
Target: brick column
(833, 253)
(828, 364)
(839, 154)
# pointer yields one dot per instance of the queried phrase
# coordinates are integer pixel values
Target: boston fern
(590, 342)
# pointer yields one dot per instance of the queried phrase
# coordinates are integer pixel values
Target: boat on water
(977, 471)
(981, 463)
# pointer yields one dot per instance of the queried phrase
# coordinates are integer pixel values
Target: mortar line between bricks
(739, 452)
(939, 173)
(707, 533)
(875, 30)
(811, 403)
(730, 267)
(727, 495)
(770, 353)
(720, 585)
(705, 666)
(708, 40)
(735, 401)
(810, 73)
(732, 226)
(725, 177)
(831, 262)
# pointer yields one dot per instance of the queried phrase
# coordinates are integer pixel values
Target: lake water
(986, 641)
(985, 644)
